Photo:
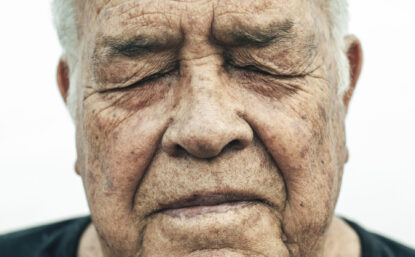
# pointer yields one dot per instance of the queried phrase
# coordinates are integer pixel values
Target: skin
(227, 117)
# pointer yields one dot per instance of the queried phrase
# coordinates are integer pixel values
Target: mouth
(200, 204)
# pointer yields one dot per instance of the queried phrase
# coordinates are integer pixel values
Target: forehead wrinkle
(148, 31)
(143, 18)
(244, 6)
(122, 13)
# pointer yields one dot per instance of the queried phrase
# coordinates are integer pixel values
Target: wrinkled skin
(204, 112)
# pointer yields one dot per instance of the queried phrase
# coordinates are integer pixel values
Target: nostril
(234, 145)
(178, 150)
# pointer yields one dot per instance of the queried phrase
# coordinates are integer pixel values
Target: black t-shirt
(62, 239)
(54, 240)
(374, 245)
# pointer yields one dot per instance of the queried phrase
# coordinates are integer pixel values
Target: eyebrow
(135, 46)
(256, 36)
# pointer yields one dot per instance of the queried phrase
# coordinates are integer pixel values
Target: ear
(77, 170)
(355, 57)
(63, 77)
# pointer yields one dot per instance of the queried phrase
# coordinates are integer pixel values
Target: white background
(37, 153)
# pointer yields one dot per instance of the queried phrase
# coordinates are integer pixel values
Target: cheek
(116, 156)
(120, 132)
(120, 146)
(298, 134)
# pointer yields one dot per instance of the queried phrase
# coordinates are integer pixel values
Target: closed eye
(253, 69)
(144, 81)
(260, 71)
(153, 77)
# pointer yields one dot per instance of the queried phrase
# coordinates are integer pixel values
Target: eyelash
(247, 68)
(256, 70)
(252, 68)
(139, 83)
(153, 77)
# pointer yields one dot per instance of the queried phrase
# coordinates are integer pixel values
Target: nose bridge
(207, 119)
(202, 83)
(206, 115)
(204, 94)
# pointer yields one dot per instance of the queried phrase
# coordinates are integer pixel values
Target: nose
(207, 121)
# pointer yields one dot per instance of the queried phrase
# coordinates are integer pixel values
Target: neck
(341, 240)
(89, 245)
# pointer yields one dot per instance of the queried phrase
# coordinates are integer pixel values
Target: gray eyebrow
(256, 36)
(138, 45)
(131, 47)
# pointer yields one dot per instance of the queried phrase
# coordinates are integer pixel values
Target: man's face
(209, 128)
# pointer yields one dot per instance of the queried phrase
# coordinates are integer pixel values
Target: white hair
(338, 14)
(65, 20)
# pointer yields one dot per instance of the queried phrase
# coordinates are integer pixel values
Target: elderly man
(207, 128)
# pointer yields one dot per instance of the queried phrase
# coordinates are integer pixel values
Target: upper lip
(209, 199)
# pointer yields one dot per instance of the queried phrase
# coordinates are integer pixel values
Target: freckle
(109, 186)
(304, 117)
(322, 112)
(317, 135)
(301, 204)
(91, 177)
(96, 137)
(304, 151)
(322, 162)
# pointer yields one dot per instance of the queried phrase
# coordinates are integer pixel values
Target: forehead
(113, 17)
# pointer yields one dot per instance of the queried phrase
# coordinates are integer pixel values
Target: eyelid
(264, 72)
(152, 77)
(254, 69)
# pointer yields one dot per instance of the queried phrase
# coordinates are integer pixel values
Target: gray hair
(65, 20)
(338, 12)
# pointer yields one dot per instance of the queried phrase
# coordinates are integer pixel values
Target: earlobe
(63, 78)
(77, 170)
(355, 57)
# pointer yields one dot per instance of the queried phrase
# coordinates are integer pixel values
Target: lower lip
(194, 211)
